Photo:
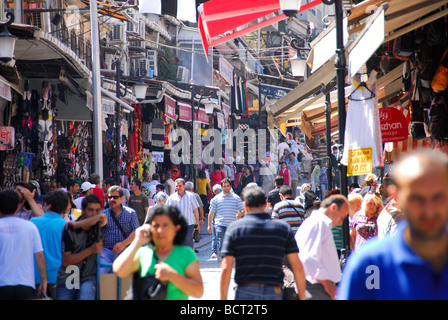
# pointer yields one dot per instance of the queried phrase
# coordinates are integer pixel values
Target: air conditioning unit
(118, 34)
(182, 74)
(152, 58)
(142, 67)
(130, 26)
(41, 20)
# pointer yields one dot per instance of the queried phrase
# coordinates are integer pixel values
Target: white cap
(86, 186)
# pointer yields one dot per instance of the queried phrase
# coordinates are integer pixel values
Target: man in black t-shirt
(258, 245)
(80, 246)
(274, 195)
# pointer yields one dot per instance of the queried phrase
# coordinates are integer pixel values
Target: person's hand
(42, 289)
(118, 248)
(143, 234)
(27, 194)
(96, 247)
(209, 229)
(164, 271)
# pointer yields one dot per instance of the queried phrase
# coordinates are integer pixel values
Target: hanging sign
(170, 108)
(157, 156)
(7, 138)
(394, 126)
(221, 120)
(202, 116)
(225, 110)
(359, 162)
(184, 111)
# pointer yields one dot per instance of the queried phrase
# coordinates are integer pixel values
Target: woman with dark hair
(157, 250)
(246, 178)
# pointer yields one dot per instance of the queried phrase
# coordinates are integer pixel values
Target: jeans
(107, 256)
(214, 239)
(294, 184)
(86, 291)
(262, 292)
(189, 237)
(323, 190)
(220, 231)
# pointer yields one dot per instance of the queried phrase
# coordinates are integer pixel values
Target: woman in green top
(169, 261)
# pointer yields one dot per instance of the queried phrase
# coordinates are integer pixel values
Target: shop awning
(400, 15)
(221, 21)
(108, 9)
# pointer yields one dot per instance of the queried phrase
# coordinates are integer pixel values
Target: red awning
(217, 17)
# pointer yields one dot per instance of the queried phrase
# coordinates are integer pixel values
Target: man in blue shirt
(119, 232)
(225, 208)
(412, 264)
(50, 226)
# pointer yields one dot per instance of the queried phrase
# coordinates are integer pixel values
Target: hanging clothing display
(243, 97)
(158, 135)
(363, 123)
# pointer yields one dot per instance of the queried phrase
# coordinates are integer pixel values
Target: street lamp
(140, 90)
(7, 40)
(298, 63)
(298, 66)
(290, 7)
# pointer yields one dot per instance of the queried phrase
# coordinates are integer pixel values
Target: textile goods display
(362, 122)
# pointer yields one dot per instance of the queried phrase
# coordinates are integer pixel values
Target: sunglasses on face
(113, 197)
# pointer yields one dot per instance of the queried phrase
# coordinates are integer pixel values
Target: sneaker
(214, 256)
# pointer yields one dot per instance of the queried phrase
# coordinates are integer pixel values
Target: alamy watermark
(373, 279)
(259, 143)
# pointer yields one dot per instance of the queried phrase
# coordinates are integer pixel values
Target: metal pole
(341, 71)
(117, 119)
(192, 169)
(96, 92)
(328, 139)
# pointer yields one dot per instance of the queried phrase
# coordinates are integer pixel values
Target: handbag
(146, 288)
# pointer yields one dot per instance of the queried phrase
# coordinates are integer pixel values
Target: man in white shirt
(317, 249)
(186, 202)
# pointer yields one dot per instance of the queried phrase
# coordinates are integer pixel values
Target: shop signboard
(394, 126)
(7, 138)
(157, 156)
(184, 111)
(359, 162)
(170, 108)
(202, 116)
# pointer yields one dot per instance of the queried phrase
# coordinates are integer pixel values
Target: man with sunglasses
(120, 229)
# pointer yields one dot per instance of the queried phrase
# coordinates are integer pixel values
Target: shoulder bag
(118, 224)
(146, 288)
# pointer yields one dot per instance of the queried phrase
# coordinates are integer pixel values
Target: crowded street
(205, 150)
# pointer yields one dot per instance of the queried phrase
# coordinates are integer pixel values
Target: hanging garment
(362, 128)
(158, 135)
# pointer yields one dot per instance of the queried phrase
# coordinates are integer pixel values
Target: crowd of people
(284, 241)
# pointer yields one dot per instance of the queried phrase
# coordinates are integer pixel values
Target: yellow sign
(359, 162)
